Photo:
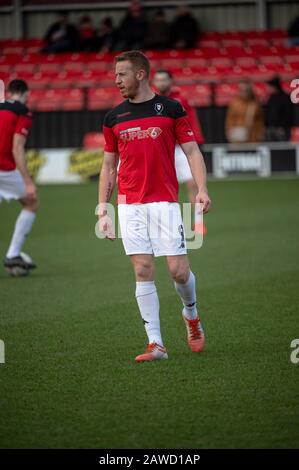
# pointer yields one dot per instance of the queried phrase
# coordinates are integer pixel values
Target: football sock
(23, 226)
(148, 303)
(188, 296)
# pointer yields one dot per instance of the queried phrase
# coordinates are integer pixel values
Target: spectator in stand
(184, 29)
(61, 36)
(293, 32)
(133, 29)
(86, 34)
(279, 113)
(158, 35)
(105, 36)
(244, 119)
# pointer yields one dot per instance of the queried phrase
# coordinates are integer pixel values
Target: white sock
(148, 303)
(188, 296)
(23, 226)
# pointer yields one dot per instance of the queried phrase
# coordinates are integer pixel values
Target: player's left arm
(199, 173)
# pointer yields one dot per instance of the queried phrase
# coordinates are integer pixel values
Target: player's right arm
(107, 181)
(18, 150)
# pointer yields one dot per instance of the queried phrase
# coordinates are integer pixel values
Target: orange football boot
(153, 352)
(195, 334)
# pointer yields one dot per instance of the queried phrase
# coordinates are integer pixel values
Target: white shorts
(182, 167)
(155, 229)
(12, 185)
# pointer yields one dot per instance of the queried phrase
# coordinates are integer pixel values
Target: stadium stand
(207, 74)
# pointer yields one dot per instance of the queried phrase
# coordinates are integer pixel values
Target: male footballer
(142, 132)
(15, 180)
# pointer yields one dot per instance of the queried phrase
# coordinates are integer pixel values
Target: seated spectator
(105, 36)
(133, 29)
(61, 36)
(184, 29)
(86, 34)
(279, 113)
(293, 32)
(158, 35)
(244, 119)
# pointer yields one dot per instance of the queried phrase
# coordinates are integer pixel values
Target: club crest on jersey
(158, 108)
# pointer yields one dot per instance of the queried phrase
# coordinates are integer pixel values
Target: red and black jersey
(15, 118)
(144, 135)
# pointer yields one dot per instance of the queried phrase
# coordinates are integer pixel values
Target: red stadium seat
(232, 43)
(73, 99)
(225, 92)
(65, 79)
(54, 100)
(238, 35)
(259, 50)
(246, 61)
(88, 78)
(213, 52)
(197, 95)
(51, 63)
(74, 62)
(208, 43)
(33, 45)
(93, 141)
(221, 62)
(197, 62)
(29, 63)
(292, 54)
(11, 59)
(40, 81)
(252, 42)
(5, 68)
(271, 59)
(172, 64)
(261, 91)
(103, 98)
(236, 52)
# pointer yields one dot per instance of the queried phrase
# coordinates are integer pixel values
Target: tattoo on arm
(108, 192)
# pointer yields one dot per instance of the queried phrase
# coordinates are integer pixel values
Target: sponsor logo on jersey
(137, 133)
(123, 114)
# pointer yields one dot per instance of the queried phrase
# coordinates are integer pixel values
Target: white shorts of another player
(182, 167)
(11, 185)
(155, 228)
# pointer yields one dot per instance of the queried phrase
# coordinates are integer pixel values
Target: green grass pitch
(72, 330)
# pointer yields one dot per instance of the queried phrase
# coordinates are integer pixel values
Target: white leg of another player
(23, 227)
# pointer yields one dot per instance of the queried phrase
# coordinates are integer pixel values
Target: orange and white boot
(153, 352)
(195, 334)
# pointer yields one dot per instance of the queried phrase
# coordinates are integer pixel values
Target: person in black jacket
(61, 36)
(279, 113)
(184, 29)
(132, 31)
